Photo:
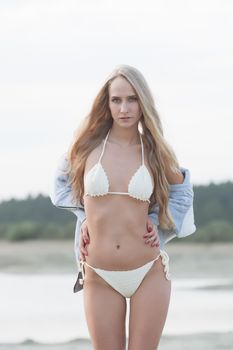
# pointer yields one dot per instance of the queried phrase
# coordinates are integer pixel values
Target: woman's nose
(124, 107)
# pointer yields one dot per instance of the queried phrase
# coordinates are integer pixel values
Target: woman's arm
(61, 195)
(180, 204)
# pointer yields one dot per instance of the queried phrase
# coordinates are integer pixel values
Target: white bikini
(127, 282)
(140, 187)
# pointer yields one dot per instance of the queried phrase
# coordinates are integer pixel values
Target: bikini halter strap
(104, 146)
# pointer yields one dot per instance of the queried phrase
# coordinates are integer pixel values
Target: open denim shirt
(180, 205)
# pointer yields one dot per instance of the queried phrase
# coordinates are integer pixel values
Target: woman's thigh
(148, 309)
(105, 311)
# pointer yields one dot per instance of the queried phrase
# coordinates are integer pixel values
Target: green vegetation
(35, 218)
(38, 218)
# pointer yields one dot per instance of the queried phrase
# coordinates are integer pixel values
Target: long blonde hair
(95, 126)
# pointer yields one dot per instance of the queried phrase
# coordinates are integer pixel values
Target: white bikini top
(140, 186)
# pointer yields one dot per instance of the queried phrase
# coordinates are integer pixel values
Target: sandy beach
(211, 341)
(186, 261)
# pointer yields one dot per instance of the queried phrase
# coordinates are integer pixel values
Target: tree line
(37, 218)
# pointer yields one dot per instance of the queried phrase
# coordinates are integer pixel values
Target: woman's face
(123, 103)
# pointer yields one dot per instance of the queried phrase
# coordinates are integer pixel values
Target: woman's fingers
(83, 251)
(152, 233)
(82, 256)
(84, 240)
(152, 240)
(156, 242)
(149, 225)
(82, 247)
(152, 236)
(85, 233)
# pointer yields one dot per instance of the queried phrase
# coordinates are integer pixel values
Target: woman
(121, 176)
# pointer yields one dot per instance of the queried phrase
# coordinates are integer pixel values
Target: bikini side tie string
(165, 261)
(81, 280)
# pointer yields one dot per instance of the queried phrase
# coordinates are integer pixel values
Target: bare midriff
(116, 226)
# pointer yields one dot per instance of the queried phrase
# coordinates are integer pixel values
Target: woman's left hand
(151, 236)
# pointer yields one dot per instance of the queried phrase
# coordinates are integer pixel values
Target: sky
(56, 54)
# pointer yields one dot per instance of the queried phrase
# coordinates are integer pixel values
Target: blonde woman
(121, 179)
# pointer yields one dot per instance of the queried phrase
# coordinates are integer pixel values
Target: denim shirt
(180, 204)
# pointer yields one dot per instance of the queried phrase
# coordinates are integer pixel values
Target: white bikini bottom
(127, 282)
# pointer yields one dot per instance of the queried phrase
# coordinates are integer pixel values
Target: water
(45, 309)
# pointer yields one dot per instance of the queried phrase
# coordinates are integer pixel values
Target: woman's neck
(123, 136)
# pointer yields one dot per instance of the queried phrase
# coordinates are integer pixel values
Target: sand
(208, 341)
(186, 261)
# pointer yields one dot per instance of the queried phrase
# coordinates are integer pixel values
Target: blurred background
(54, 57)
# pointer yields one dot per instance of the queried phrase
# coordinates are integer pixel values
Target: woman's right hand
(84, 240)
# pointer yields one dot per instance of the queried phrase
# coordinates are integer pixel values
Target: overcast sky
(56, 54)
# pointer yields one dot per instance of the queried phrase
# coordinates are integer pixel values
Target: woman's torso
(117, 223)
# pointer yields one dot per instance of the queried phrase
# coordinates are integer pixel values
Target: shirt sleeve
(61, 193)
(180, 204)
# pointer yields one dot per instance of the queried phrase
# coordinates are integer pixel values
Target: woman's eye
(130, 99)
